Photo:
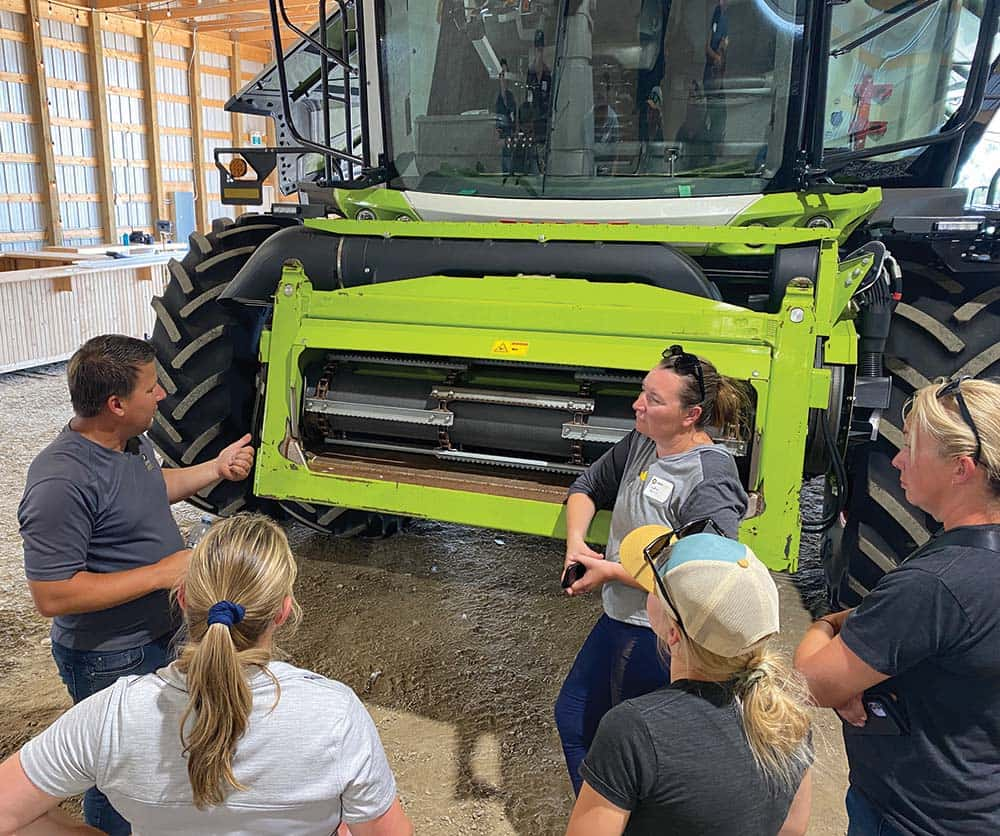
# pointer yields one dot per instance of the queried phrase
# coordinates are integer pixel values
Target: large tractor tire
(206, 356)
(946, 325)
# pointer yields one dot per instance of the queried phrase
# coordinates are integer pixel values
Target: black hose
(840, 476)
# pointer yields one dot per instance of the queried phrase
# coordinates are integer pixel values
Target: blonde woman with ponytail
(225, 739)
(914, 671)
(724, 749)
(667, 471)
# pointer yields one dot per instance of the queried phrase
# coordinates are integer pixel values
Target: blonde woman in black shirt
(915, 669)
(725, 748)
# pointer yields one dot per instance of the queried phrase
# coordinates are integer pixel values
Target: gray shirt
(310, 757)
(645, 489)
(87, 508)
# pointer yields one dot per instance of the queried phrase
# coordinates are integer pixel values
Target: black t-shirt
(933, 625)
(679, 761)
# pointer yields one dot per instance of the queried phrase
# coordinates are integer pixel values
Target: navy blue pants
(86, 672)
(618, 661)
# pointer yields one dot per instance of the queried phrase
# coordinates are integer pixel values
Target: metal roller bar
(495, 396)
(593, 432)
(400, 414)
(585, 376)
(395, 360)
(506, 461)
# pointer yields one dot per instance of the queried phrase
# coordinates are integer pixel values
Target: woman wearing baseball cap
(725, 748)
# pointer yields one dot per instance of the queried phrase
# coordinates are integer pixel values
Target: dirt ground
(457, 639)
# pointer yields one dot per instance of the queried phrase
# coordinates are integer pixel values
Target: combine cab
(507, 210)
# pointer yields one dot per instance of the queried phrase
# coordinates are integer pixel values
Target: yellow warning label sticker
(510, 348)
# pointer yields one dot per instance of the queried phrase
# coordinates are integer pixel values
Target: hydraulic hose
(840, 476)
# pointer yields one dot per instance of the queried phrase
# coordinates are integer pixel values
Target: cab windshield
(588, 98)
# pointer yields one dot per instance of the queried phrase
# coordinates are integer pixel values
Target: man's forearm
(818, 636)
(93, 591)
(183, 482)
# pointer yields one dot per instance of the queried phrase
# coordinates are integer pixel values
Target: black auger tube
(333, 261)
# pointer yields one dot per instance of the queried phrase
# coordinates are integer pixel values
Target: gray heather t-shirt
(90, 509)
(670, 490)
(307, 759)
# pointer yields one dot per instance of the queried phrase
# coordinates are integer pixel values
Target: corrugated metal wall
(64, 47)
(173, 109)
(101, 124)
(127, 123)
(43, 324)
(217, 125)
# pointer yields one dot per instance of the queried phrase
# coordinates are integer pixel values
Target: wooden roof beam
(263, 36)
(103, 5)
(208, 9)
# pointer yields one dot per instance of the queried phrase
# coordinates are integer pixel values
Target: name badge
(658, 490)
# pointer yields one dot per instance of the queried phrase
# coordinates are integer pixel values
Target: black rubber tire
(946, 325)
(206, 355)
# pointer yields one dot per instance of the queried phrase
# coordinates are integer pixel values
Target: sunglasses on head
(657, 553)
(953, 388)
(687, 364)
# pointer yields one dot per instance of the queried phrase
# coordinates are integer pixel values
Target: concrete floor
(457, 639)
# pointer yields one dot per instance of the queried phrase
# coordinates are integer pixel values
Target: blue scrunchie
(225, 612)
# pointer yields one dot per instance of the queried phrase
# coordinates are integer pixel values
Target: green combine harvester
(507, 209)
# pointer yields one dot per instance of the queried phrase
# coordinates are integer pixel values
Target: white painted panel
(45, 325)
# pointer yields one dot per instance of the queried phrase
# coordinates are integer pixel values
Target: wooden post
(43, 125)
(102, 129)
(157, 198)
(235, 85)
(197, 134)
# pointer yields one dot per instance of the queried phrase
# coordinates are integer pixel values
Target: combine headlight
(958, 226)
(819, 222)
(365, 215)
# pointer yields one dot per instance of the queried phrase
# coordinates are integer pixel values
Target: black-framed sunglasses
(953, 388)
(657, 553)
(687, 364)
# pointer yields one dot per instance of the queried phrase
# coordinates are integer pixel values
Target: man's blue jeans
(864, 819)
(618, 661)
(86, 672)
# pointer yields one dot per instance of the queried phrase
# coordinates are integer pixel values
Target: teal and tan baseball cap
(724, 597)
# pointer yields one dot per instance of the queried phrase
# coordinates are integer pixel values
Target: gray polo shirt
(90, 509)
(645, 489)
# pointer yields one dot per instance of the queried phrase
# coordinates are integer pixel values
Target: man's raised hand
(235, 461)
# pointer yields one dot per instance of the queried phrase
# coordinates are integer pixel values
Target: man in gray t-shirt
(101, 548)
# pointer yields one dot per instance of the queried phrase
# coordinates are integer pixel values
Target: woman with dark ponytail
(725, 748)
(667, 471)
(226, 739)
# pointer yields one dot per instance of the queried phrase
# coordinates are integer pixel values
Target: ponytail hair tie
(225, 612)
(754, 676)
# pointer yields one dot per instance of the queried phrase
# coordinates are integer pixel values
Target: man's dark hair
(105, 366)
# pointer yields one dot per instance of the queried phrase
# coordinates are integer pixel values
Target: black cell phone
(885, 716)
(573, 573)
